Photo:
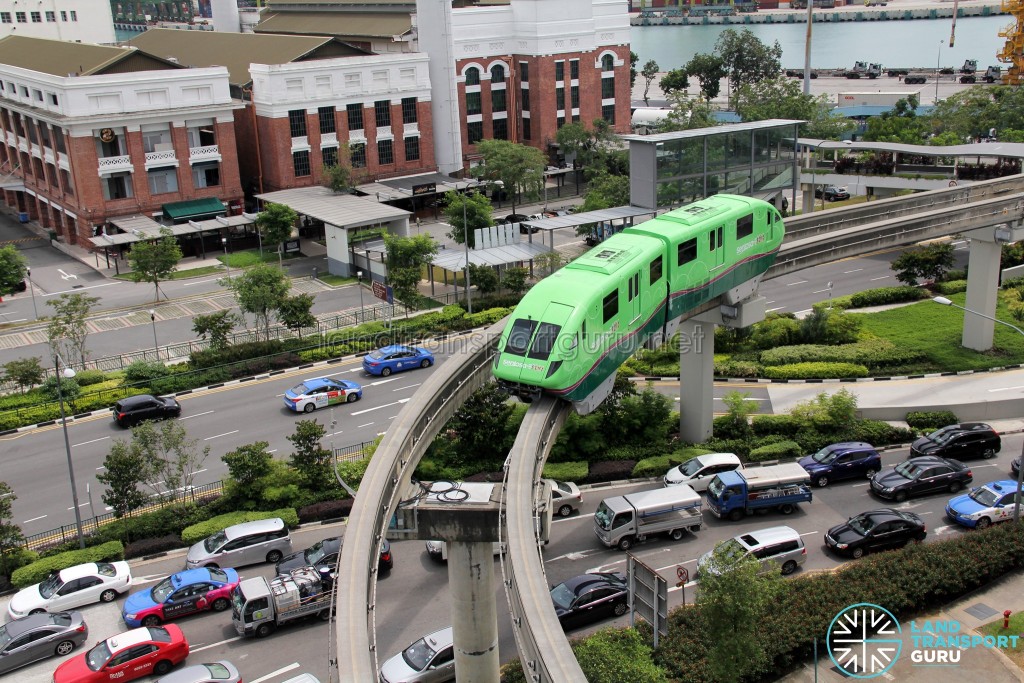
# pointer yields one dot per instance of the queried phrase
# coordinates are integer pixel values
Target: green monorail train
(573, 330)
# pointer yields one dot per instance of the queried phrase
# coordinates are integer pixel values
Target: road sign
(682, 574)
(648, 592)
(383, 292)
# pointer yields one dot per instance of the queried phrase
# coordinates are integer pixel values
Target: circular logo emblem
(107, 135)
(864, 640)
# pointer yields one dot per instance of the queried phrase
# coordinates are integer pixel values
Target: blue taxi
(984, 505)
(396, 358)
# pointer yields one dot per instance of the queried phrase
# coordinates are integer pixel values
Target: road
(414, 600)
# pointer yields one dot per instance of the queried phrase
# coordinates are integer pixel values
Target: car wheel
(736, 515)
(900, 496)
(871, 474)
(984, 523)
(108, 595)
(308, 408)
(988, 453)
(565, 510)
(151, 620)
(625, 543)
(274, 556)
(352, 398)
(821, 481)
(425, 363)
(64, 647)
(220, 604)
(677, 534)
(857, 553)
(385, 372)
(324, 615)
(620, 609)
(787, 508)
(788, 568)
(162, 667)
(264, 630)
(954, 487)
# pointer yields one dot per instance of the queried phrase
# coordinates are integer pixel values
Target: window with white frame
(162, 180)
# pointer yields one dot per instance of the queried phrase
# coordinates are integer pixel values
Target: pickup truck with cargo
(622, 521)
(259, 606)
(734, 495)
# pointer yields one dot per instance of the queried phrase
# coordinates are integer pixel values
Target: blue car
(849, 460)
(320, 393)
(984, 505)
(187, 592)
(396, 359)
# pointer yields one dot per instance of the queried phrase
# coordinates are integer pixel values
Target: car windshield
(862, 524)
(315, 553)
(984, 496)
(603, 516)
(519, 337)
(98, 656)
(942, 436)
(418, 655)
(50, 586)
(690, 467)
(732, 550)
(562, 596)
(300, 390)
(824, 456)
(216, 541)
(909, 470)
(5, 637)
(162, 590)
(716, 487)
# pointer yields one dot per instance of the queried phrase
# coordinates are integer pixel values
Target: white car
(699, 471)
(73, 587)
(431, 659)
(565, 497)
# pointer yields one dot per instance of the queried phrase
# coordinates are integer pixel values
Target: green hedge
(197, 532)
(656, 466)
(872, 353)
(929, 420)
(776, 451)
(37, 571)
(951, 287)
(787, 425)
(566, 471)
(815, 371)
(736, 368)
(887, 295)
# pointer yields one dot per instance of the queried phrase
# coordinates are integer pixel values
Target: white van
(699, 471)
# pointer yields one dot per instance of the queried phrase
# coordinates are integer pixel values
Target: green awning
(195, 208)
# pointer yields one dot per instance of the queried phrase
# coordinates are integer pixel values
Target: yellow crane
(1013, 51)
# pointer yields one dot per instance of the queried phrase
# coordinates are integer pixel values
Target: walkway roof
(455, 259)
(575, 219)
(973, 149)
(342, 210)
(140, 228)
(712, 131)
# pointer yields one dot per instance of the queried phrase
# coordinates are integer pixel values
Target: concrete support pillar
(982, 288)
(474, 611)
(696, 379)
(806, 199)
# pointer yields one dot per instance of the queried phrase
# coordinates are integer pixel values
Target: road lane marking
(1005, 389)
(884, 277)
(855, 270)
(383, 381)
(217, 436)
(207, 647)
(365, 425)
(34, 519)
(675, 588)
(386, 405)
(669, 566)
(408, 387)
(76, 445)
(809, 533)
(802, 282)
(578, 555)
(79, 505)
(273, 674)
(200, 282)
(66, 276)
(79, 289)
(189, 417)
(772, 310)
(821, 291)
(19, 320)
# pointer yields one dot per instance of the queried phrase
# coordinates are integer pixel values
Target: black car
(875, 530)
(38, 636)
(135, 409)
(961, 441)
(323, 555)
(590, 597)
(917, 476)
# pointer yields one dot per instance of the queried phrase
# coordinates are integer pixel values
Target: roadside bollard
(1006, 619)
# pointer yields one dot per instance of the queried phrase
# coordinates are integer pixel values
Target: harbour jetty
(700, 15)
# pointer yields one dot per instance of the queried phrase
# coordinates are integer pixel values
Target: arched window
(607, 63)
(497, 74)
(472, 76)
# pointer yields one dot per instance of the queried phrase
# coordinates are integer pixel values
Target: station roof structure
(973, 149)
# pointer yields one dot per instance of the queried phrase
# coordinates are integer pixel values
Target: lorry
(917, 78)
(734, 495)
(865, 70)
(259, 606)
(991, 75)
(622, 521)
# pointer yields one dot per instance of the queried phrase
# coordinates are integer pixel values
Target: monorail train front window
(519, 338)
(544, 341)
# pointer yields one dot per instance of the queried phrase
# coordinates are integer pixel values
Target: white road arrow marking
(67, 276)
(386, 405)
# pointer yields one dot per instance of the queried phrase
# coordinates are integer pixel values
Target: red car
(127, 656)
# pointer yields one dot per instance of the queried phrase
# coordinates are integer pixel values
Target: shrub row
(950, 287)
(815, 371)
(776, 451)
(40, 569)
(928, 420)
(325, 510)
(152, 546)
(609, 470)
(657, 466)
(197, 532)
(566, 471)
(873, 353)
(887, 295)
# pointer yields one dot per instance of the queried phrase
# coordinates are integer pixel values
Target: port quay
(745, 13)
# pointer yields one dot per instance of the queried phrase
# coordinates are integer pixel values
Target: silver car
(39, 636)
(778, 548)
(265, 540)
(214, 672)
(431, 659)
(565, 497)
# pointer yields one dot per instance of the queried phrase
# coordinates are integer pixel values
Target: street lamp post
(156, 345)
(69, 374)
(362, 313)
(465, 239)
(1020, 470)
(227, 264)
(32, 289)
(938, 67)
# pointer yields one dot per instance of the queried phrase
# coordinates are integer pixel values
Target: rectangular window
(412, 149)
(655, 270)
(409, 114)
(357, 153)
(330, 156)
(118, 186)
(719, 231)
(51, 17)
(355, 116)
(500, 127)
(74, 15)
(327, 120)
(574, 94)
(475, 131)
(575, 118)
(559, 98)
(559, 71)
(524, 97)
(21, 17)
(608, 113)
(37, 17)
(687, 252)
(611, 306)
(300, 163)
(473, 104)
(63, 16)
(58, 140)
(574, 69)
(607, 88)
(559, 122)
(526, 129)
(65, 182)
(297, 122)
(162, 180)
(5, 17)
(524, 72)
(711, 241)
(498, 100)
(745, 226)
(382, 110)
(206, 174)
(385, 152)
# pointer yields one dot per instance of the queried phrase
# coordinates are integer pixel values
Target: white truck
(259, 606)
(622, 521)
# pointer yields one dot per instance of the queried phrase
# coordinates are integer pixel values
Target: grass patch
(335, 280)
(250, 257)
(181, 274)
(1016, 629)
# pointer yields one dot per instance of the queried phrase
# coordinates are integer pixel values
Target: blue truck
(734, 495)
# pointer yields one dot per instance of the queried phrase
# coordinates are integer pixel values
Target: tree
(929, 262)
(247, 464)
(605, 191)
(477, 209)
(675, 81)
(25, 372)
(339, 176)
(901, 125)
(70, 390)
(548, 262)
(275, 224)
(310, 459)
(168, 456)
(687, 114)
(66, 333)
(746, 58)
(634, 58)
(13, 269)
(485, 278)
(122, 473)
(709, 70)
(783, 98)
(155, 260)
(519, 167)
(294, 312)
(589, 147)
(514, 280)
(739, 408)
(11, 537)
(649, 72)
(734, 600)
(215, 326)
(259, 290)
(407, 256)
(480, 426)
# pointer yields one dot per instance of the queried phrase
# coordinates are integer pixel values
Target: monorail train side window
(519, 338)
(711, 241)
(719, 231)
(655, 270)
(687, 251)
(611, 306)
(745, 226)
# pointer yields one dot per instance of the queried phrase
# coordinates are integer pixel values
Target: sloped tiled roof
(343, 25)
(63, 58)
